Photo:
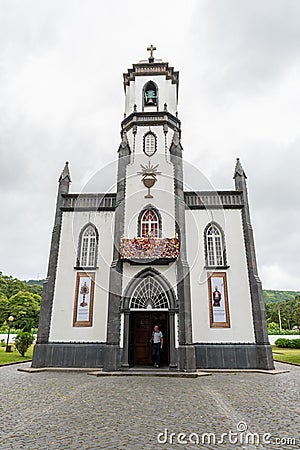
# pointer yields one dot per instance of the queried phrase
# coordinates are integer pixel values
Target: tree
(24, 306)
(23, 341)
(11, 286)
(296, 313)
(4, 308)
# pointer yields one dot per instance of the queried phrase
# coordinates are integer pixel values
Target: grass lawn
(289, 355)
(7, 358)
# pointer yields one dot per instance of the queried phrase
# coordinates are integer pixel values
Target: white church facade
(152, 253)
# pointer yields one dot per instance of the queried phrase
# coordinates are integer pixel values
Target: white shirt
(157, 336)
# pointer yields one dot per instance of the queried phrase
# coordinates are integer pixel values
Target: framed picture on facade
(84, 299)
(218, 300)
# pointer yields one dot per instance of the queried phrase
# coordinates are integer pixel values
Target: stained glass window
(149, 224)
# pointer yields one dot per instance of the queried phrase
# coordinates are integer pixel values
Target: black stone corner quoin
(49, 285)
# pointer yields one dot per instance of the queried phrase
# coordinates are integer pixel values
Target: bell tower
(150, 215)
(151, 96)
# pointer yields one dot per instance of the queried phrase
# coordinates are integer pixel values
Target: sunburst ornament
(149, 174)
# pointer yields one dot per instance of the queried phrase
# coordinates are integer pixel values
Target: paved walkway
(51, 410)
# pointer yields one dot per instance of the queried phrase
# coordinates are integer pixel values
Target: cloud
(248, 44)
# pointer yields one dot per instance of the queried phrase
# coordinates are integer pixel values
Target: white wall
(63, 307)
(162, 192)
(241, 329)
(137, 147)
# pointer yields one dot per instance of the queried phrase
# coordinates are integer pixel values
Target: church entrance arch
(149, 300)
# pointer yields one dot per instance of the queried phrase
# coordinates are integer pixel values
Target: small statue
(84, 291)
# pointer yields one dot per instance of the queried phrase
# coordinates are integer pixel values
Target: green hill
(271, 296)
(32, 282)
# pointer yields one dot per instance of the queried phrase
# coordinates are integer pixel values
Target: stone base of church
(187, 358)
(112, 358)
(234, 356)
(69, 355)
(190, 358)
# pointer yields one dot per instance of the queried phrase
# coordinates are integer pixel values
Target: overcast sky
(61, 98)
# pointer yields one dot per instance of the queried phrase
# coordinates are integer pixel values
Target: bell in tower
(150, 94)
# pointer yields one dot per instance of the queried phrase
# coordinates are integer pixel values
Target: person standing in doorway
(157, 345)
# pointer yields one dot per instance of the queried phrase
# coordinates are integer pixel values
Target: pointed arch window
(88, 244)
(215, 246)
(149, 294)
(149, 144)
(150, 94)
(149, 223)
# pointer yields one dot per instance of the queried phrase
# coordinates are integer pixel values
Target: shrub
(2, 343)
(294, 343)
(23, 341)
(287, 343)
(282, 342)
(273, 329)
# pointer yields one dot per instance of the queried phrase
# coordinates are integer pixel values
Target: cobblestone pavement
(51, 410)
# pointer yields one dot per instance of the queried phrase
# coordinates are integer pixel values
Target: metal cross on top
(151, 50)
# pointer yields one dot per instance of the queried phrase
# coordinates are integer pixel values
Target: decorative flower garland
(149, 247)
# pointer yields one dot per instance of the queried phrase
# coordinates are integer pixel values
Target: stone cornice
(150, 119)
(151, 69)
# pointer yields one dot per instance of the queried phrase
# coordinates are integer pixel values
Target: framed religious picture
(84, 299)
(218, 300)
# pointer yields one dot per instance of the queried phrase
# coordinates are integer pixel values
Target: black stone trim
(148, 119)
(85, 268)
(150, 262)
(206, 207)
(88, 202)
(216, 268)
(257, 301)
(234, 356)
(49, 284)
(234, 192)
(87, 209)
(186, 351)
(151, 69)
(219, 199)
(112, 352)
(69, 354)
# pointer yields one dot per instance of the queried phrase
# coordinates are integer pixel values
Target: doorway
(141, 325)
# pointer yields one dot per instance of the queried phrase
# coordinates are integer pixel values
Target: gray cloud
(250, 43)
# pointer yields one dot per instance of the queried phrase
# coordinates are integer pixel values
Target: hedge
(287, 343)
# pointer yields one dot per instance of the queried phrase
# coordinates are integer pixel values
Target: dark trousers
(156, 353)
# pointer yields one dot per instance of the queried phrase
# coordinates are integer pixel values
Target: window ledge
(86, 268)
(216, 267)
